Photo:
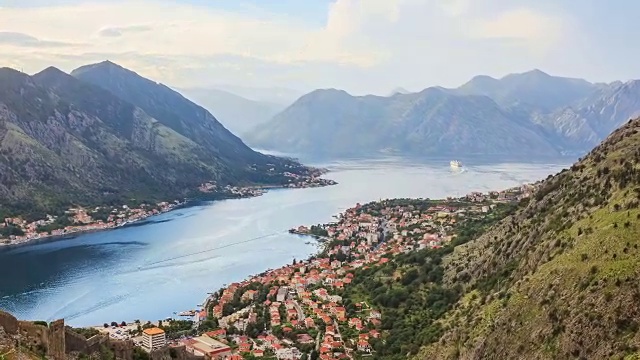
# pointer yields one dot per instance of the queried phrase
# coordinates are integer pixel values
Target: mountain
(272, 95)
(236, 113)
(399, 90)
(168, 107)
(528, 114)
(183, 116)
(534, 87)
(65, 141)
(586, 123)
(557, 278)
(433, 122)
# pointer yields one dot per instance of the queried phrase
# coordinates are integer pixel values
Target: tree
(124, 323)
(232, 330)
(314, 355)
(105, 325)
(209, 324)
(140, 354)
(228, 309)
(113, 323)
(106, 353)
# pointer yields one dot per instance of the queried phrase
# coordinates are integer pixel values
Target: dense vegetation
(86, 332)
(550, 278)
(555, 280)
(410, 289)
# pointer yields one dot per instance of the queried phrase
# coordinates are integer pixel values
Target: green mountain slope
(64, 141)
(171, 109)
(168, 107)
(557, 279)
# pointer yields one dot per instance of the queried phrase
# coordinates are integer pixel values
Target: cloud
(119, 31)
(521, 24)
(363, 46)
(24, 40)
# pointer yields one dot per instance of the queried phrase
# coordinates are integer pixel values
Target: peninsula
(18, 230)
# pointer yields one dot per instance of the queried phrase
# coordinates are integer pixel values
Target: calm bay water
(150, 271)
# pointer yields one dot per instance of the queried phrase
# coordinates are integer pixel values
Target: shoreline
(74, 234)
(186, 203)
(322, 242)
(321, 246)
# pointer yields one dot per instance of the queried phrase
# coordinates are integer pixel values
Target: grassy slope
(557, 279)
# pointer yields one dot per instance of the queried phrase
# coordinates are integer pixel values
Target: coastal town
(16, 230)
(308, 309)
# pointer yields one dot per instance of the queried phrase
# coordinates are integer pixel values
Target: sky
(362, 46)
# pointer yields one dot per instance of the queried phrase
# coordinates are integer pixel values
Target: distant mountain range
(271, 95)
(105, 134)
(532, 114)
(236, 113)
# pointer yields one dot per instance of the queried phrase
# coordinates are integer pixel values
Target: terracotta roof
(153, 331)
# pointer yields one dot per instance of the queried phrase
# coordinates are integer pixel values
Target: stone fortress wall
(57, 342)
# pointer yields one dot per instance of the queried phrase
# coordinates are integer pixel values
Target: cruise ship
(455, 164)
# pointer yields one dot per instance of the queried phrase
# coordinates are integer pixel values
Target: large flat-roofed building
(204, 345)
(282, 294)
(153, 338)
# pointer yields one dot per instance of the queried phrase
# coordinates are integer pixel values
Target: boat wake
(173, 264)
(108, 301)
(214, 248)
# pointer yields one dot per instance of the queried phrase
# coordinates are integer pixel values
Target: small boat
(187, 313)
(455, 164)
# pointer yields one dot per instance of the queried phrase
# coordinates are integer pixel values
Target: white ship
(455, 164)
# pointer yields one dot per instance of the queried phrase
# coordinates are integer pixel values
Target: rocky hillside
(66, 141)
(528, 114)
(558, 278)
(584, 124)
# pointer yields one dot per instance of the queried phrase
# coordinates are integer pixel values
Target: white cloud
(454, 7)
(365, 45)
(537, 29)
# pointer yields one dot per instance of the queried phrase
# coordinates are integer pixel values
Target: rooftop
(153, 331)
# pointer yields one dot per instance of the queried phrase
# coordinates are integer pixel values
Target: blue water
(149, 272)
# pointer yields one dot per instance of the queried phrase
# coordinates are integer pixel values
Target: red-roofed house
(355, 323)
(258, 353)
(309, 323)
(364, 346)
(305, 339)
(220, 333)
(244, 347)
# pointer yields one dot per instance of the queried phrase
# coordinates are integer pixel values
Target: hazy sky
(363, 46)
